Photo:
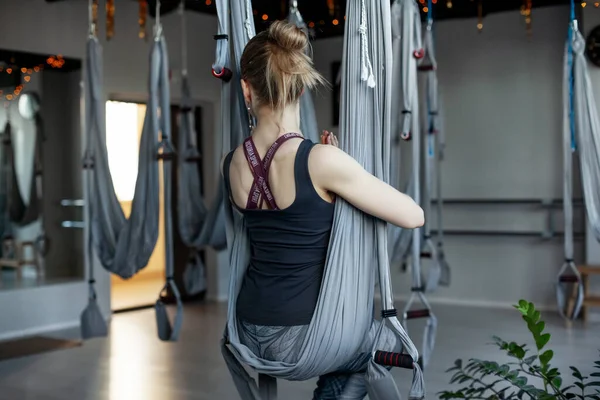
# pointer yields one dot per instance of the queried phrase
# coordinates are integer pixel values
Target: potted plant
(529, 376)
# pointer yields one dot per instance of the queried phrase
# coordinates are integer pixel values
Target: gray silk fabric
(358, 246)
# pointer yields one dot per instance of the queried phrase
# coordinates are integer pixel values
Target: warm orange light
(265, 17)
(29, 71)
(449, 4)
(208, 2)
(27, 78)
(23, 70)
(434, 1)
(597, 4)
(9, 97)
(36, 69)
(9, 70)
(335, 22)
(311, 24)
(583, 4)
(425, 9)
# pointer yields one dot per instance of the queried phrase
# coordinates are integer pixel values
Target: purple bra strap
(260, 187)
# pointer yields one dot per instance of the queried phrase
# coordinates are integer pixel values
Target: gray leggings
(282, 343)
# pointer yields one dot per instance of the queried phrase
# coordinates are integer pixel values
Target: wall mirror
(41, 228)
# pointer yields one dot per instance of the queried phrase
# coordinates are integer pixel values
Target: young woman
(285, 187)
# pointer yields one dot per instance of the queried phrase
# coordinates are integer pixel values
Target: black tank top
(288, 251)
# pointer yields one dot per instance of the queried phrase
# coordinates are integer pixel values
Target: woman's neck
(272, 124)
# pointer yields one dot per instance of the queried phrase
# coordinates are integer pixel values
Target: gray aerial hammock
(158, 114)
(405, 15)
(407, 49)
(191, 210)
(344, 311)
(213, 231)
(581, 131)
(439, 272)
(125, 245)
(308, 118)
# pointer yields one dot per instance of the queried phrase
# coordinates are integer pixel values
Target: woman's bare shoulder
(236, 158)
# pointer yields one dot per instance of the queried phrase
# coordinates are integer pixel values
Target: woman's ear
(247, 92)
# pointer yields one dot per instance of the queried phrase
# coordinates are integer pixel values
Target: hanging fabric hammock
(345, 308)
(124, 246)
(159, 111)
(308, 118)
(428, 65)
(407, 49)
(191, 210)
(581, 131)
(407, 24)
(213, 232)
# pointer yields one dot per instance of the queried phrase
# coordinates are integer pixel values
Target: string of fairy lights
(55, 62)
(335, 19)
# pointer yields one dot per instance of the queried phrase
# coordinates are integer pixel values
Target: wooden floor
(133, 365)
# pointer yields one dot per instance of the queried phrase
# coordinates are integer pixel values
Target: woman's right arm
(333, 170)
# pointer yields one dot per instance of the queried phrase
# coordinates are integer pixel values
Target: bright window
(124, 122)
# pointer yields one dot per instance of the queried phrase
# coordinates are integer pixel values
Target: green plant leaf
(576, 374)
(546, 356)
(542, 340)
(523, 306)
(557, 381)
(539, 327)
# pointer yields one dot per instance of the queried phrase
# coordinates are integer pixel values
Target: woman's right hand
(329, 138)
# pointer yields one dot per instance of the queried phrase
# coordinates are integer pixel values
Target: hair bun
(288, 36)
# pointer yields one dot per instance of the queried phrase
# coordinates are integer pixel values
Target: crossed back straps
(260, 190)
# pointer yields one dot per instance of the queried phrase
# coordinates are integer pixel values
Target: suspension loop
(184, 58)
(92, 18)
(157, 25)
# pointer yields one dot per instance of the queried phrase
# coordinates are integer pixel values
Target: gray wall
(502, 97)
(126, 57)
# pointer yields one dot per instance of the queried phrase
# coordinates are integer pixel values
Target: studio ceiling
(326, 17)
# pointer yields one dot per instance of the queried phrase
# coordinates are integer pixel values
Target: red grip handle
(390, 359)
(568, 278)
(413, 314)
(418, 54)
(165, 156)
(224, 75)
(426, 68)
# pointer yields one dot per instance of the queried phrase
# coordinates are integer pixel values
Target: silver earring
(250, 120)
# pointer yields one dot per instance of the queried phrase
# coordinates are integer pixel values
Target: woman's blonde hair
(276, 64)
